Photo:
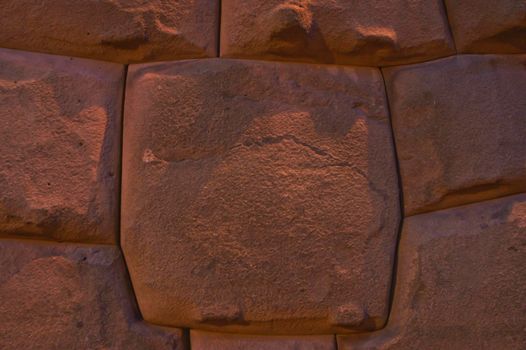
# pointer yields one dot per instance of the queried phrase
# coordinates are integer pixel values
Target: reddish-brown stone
(374, 32)
(62, 296)
(460, 129)
(488, 26)
(216, 341)
(259, 197)
(460, 283)
(59, 146)
(113, 30)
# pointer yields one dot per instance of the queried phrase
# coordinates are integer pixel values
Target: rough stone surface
(59, 146)
(206, 341)
(461, 281)
(114, 30)
(259, 197)
(60, 296)
(374, 32)
(460, 127)
(488, 26)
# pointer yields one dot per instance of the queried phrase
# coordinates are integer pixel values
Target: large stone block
(59, 146)
(62, 296)
(114, 30)
(460, 283)
(374, 32)
(259, 197)
(459, 125)
(217, 341)
(488, 26)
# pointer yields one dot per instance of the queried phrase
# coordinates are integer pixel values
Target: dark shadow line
(446, 14)
(218, 35)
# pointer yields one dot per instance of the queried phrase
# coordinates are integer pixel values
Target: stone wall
(263, 174)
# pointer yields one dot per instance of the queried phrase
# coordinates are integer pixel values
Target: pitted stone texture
(375, 32)
(259, 197)
(459, 125)
(61, 296)
(114, 30)
(488, 26)
(59, 148)
(460, 282)
(217, 341)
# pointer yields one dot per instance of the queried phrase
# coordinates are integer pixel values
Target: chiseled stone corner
(65, 296)
(370, 33)
(220, 341)
(460, 129)
(59, 146)
(488, 26)
(460, 282)
(259, 197)
(113, 30)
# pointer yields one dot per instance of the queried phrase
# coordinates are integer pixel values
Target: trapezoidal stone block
(460, 282)
(370, 33)
(488, 26)
(459, 125)
(121, 31)
(59, 147)
(259, 197)
(64, 296)
(205, 341)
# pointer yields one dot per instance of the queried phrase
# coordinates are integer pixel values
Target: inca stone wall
(263, 174)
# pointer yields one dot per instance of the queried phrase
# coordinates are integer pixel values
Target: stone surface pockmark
(460, 129)
(460, 282)
(220, 341)
(488, 26)
(119, 31)
(374, 32)
(59, 147)
(259, 197)
(63, 296)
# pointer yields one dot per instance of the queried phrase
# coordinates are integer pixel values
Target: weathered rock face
(259, 197)
(113, 30)
(460, 282)
(459, 125)
(205, 341)
(488, 26)
(61, 296)
(59, 148)
(370, 33)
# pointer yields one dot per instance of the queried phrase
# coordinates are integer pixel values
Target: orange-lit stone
(488, 26)
(460, 282)
(113, 30)
(206, 341)
(59, 147)
(460, 129)
(259, 197)
(373, 32)
(62, 296)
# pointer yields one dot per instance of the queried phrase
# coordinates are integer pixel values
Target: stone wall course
(59, 147)
(259, 197)
(369, 33)
(460, 281)
(123, 31)
(459, 125)
(65, 296)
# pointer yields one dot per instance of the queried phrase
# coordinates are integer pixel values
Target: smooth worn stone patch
(259, 197)
(488, 26)
(63, 296)
(460, 282)
(370, 33)
(113, 30)
(59, 147)
(459, 126)
(217, 341)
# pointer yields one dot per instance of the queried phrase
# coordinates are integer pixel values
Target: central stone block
(259, 197)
